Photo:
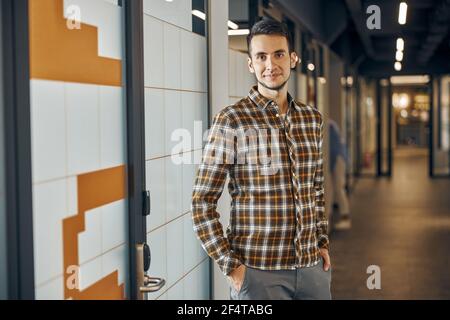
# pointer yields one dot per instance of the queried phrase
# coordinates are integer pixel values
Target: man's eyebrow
(278, 51)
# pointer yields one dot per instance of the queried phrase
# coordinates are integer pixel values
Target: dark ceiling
(341, 24)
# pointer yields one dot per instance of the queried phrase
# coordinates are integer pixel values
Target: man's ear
(294, 60)
(250, 65)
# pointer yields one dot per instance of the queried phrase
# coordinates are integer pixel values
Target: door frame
(135, 105)
(19, 206)
(380, 117)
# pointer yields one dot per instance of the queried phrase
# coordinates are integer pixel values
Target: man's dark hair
(269, 26)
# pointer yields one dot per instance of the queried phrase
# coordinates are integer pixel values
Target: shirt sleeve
(321, 218)
(218, 156)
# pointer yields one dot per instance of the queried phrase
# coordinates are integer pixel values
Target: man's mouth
(272, 76)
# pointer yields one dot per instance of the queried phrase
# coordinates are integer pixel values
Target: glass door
(439, 90)
(88, 191)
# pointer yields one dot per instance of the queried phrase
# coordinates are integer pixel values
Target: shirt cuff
(324, 242)
(229, 263)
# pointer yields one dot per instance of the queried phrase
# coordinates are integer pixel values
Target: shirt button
(296, 197)
(278, 115)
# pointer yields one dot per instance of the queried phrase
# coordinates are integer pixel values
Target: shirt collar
(263, 102)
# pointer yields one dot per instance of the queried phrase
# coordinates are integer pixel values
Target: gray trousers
(312, 283)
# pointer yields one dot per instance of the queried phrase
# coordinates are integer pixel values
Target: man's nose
(269, 63)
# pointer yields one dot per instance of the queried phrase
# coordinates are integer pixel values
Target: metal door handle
(145, 283)
(152, 284)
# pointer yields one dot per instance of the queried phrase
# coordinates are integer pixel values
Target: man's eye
(280, 55)
(261, 57)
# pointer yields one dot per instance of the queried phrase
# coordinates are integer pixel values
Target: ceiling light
(350, 80)
(402, 80)
(232, 25)
(311, 67)
(400, 44)
(238, 32)
(398, 66)
(399, 55)
(322, 80)
(402, 13)
(199, 14)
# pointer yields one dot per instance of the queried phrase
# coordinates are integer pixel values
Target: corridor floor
(402, 225)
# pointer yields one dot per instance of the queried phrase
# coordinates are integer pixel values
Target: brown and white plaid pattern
(275, 166)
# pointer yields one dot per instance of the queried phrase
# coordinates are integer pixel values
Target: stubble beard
(276, 88)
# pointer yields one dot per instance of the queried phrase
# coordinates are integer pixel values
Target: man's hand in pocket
(237, 277)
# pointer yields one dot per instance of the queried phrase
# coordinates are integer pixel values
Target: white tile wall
(193, 62)
(174, 189)
(154, 123)
(163, 296)
(114, 225)
(232, 73)
(48, 130)
(157, 241)
(175, 251)
(90, 240)
(177, 12)
(172, 117)
(52, 290)
(83, 139)
(107, 18)
(49, 208)
(189, 175)
(191, 244)
(154, 52)
(172, 56)
(196, 283)
(176, 71)
(194, 108)
(155, 180)
(90, 273)
(177, 291)
(240, 79)
(117, 260)
(112, 127)
(72, 196)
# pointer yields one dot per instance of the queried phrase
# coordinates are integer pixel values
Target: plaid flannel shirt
(276, 184)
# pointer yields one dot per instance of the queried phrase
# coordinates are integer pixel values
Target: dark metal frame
(16, 81)
(358, 136)
(439, 115)
(209, 116)
(390, 108)
(380, 117)
(431, 130)
(134, 38)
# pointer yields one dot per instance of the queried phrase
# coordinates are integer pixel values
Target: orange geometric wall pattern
(95, 189)
(60, 53)
(71, 55)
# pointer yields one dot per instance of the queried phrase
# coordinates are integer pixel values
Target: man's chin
(273, 86)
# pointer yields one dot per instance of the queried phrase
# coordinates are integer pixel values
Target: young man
(277, 244)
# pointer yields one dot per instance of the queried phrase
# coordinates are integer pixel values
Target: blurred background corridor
(103, 108)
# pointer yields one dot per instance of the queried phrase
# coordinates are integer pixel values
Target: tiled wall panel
(78, 135)
(176, 97)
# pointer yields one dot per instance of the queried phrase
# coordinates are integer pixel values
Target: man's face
(270, 60)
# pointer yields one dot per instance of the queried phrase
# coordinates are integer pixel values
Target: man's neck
(279, 96)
